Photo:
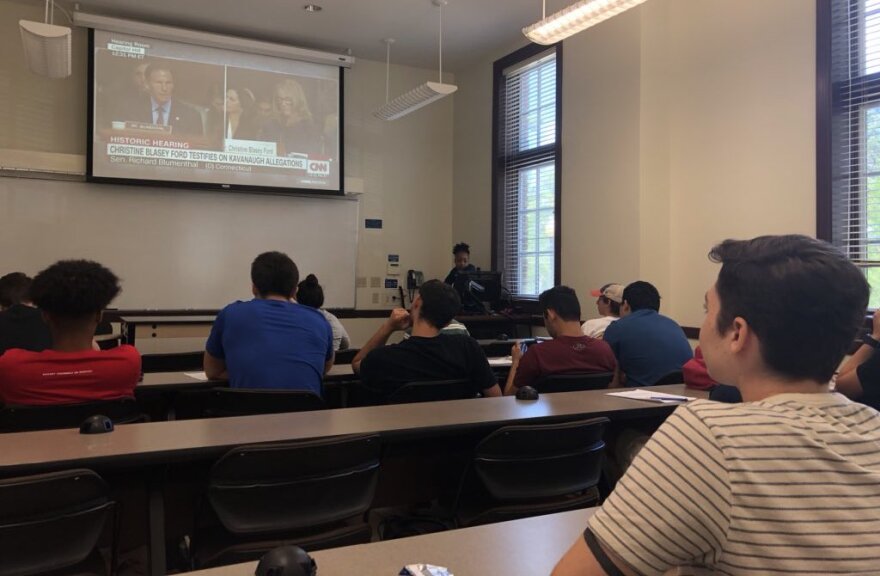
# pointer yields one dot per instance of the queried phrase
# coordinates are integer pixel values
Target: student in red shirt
(570, 351)
(72, 295)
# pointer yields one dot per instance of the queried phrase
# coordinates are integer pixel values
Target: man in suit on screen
(160, 107)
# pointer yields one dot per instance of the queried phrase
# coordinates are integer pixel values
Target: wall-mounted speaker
(46, 48)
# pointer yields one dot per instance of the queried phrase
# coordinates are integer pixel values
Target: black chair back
(281, 487)
(432, 391)
(573, 382)
(175, 362)
(51, 521)
(223, 402)
(541, 461)
(50, 417)
(345, 356)
(676, 377)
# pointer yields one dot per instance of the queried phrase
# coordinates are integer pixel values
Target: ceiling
(471, 28)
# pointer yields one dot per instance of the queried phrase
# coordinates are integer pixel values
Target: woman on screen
(292, 126)
(240, 121)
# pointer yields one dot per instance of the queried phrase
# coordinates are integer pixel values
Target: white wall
(684, 122)
(403, 169)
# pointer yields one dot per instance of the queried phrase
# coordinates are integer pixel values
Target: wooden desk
(186, 439)
(172, 326)
(524, 547)
(150, 447)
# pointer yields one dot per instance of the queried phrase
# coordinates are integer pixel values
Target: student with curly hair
(310, 293)
(72, 295)
(462, 253)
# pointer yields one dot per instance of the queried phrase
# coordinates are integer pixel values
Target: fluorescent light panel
(577, 17)
(414, 99)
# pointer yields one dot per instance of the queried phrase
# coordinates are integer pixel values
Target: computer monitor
(480, 291)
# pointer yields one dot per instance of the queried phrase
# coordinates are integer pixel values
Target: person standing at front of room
(462, 253)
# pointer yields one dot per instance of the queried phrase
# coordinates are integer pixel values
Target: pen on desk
(670, 398)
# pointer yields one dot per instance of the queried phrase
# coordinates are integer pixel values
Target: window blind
(528, 148)
(855, 134)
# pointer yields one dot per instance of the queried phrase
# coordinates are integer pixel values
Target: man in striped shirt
(787, 482)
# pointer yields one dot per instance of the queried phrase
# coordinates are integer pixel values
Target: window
(848, 132)
(526, 170)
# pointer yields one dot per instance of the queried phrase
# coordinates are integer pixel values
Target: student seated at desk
(310, 293)
(648, 345)
(768, 486)
(427, 354)
(608, 300)
(569, 352)
(21, 324)
(270, 342)
(72, 295)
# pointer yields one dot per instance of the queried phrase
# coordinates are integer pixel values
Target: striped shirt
(787, 485)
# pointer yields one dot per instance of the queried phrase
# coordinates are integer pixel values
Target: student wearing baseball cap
(608, 300)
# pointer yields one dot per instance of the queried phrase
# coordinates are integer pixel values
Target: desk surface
(178, 440)
(518, 548)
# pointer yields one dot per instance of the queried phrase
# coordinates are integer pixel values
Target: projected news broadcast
(171, 112)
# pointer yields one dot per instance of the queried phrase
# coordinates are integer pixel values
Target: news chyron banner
(239, 156)
(182, 113)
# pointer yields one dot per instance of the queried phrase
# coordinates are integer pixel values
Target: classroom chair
(528, 470)
(432, 391)
(51, 523)
(173, 362)
(573, 382)
(676, 377)
(54, 416)
(314, 494)
(224, 402)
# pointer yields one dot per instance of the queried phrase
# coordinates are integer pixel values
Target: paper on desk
(652, 396)
(501, 361)
(197, 376)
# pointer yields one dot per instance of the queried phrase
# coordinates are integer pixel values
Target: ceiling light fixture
(576, 18)
(419, 96)
(312, 8)
(47, 46)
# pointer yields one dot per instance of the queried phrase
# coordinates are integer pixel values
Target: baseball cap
(613, 292)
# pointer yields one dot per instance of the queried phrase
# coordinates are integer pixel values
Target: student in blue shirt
(270, 342)
(648, 345)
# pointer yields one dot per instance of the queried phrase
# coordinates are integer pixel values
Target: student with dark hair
(770, 485)
(21, 324)
(648, 345)
(569, 352)
(72, 295)
(270, 342)
(310, 293)
(427, 354)
(462, 253)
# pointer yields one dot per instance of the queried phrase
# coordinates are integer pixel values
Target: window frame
(498, 175)
(826, 93)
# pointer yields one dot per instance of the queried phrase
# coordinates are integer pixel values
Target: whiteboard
(177, 249)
